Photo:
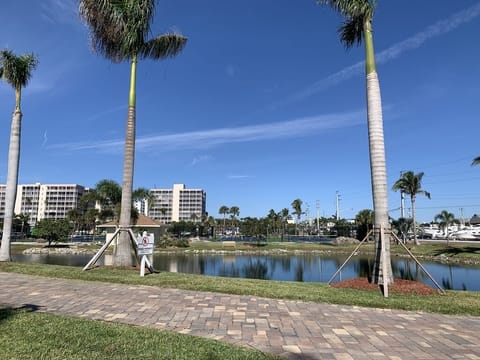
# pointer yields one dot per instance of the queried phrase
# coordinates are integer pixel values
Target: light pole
(337, 201)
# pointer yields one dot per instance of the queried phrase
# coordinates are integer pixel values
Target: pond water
(305, 268)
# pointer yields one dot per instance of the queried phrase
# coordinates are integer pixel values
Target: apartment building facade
(177, 204)
(44, 201)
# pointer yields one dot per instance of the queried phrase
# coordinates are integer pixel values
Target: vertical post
(317, 203)
(337, 200)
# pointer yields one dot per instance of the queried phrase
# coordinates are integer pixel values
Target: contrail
(439, 28)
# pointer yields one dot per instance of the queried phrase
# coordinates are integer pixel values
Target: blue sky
(263, 106)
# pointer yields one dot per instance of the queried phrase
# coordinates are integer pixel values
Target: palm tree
(284, 215)
(119, 30)
(476, 161)
(297, 210)
(234, 211)
(445, 219)
(224, 210)
(17, 71)
(364, 221)
(411, 184)
(144, 195)
(273, 219)
(357, 26)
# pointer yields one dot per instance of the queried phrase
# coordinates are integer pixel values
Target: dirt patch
(405, 287)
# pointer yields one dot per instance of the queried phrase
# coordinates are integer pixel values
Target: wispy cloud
(201, 159)
(60, 12)
(104, 113)
(236, 177)
(217, 137)
(45, 139)
(414, 42)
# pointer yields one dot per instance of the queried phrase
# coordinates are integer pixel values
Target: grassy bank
(454, 302)
(452, 252)
(29, 335)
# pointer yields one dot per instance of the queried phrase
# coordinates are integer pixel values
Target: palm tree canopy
(476, 161)
(142, 194)
(297, 207)
(223, 210)
(17, 70)
(119, 30)
(365, 217)
(410, 184)
(445, 217)
(356, 13)
(234, 211)
(108, 192)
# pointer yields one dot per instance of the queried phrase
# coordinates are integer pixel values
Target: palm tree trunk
(377, 163)
(123, 250)
(12, 181)
(414, 224)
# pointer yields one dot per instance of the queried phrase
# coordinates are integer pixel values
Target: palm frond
(17, 70)
(352, 8)
(351, 31)
(118, 27)
(163, 46)
(476, 161)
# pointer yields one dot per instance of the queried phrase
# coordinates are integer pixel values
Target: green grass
(453, 302)
(31, 335)
(454, 252)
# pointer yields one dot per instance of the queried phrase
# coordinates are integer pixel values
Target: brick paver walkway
(294, 329)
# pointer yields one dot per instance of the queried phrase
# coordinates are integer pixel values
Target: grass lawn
(28, 335)
(453, 302)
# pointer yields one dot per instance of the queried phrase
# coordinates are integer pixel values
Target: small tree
(53, 230)
(445, 219)
(364, 221)
(297, 210)
(411, 184)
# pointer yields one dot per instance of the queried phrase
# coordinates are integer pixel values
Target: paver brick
(293, 329)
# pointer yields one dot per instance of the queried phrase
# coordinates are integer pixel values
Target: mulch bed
(404, 287)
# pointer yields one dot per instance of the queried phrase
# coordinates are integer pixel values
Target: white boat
(432, 232)
(466, 233)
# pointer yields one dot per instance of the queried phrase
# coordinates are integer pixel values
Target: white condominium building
(42, 201)
(177, 204)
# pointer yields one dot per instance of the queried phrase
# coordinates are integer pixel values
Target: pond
(304, 268)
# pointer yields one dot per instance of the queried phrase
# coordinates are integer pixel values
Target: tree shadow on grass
(452, 251)
(8, 312)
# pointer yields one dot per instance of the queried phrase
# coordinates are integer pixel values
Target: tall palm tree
(445, 219)
(16, 71)
(284, 215)
(297, 210)
(234, 211)
(119, 30)
(476, 161)
(356, 28)
(224, 210)
(411, 184)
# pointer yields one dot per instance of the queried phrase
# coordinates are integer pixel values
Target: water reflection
(303, 268)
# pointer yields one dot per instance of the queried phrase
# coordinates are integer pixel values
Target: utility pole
(402, 200)
(337, 200)
(317, 204)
